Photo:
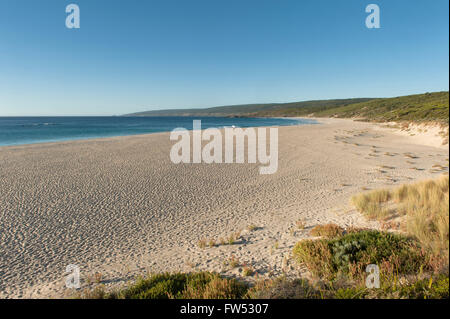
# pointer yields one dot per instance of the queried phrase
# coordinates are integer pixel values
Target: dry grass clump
(201, 243)
(300, 224)
(329, 230)
(282, 288)
(425, 205)
(201, 285)
(248, 271)
(292, 231)
(97, 277)
(231, 262)
(230, 240)
(233, 237)
(216, 288)
(370, 203)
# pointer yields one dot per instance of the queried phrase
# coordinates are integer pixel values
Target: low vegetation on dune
(248, 110)
(412, 260)
(283, 288)
(327, 230)
(207, 285)
(199, 285)
(346, 257)
(338, 268)
(413, 108)
(305, 108)
(426, 107)
(422, 211)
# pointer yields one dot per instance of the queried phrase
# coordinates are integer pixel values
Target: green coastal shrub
(205, 285)
(428, 288)
(282, 288)
(347, 256)
(201, 285)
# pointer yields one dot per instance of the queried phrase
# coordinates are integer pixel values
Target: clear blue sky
(138, 55)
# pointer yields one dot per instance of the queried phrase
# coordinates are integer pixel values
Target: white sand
(119, 207)
(432, 134)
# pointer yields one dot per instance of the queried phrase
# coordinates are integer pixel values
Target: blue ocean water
(28, 130)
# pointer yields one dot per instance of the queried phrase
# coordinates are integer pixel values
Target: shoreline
(419, 131)
(69, 139)
(117, 206)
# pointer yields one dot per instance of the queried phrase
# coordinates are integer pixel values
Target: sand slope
(119, 207)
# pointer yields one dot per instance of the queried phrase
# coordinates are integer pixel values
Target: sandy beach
(119, 207)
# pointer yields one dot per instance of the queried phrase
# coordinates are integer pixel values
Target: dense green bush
(348, 255)
(203, 285)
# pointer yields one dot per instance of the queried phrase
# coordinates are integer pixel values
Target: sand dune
(120, 207)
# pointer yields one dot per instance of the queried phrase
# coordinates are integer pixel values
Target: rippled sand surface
(120, 207)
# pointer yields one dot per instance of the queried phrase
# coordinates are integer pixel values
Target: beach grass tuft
(328, 230)
(425, 205)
